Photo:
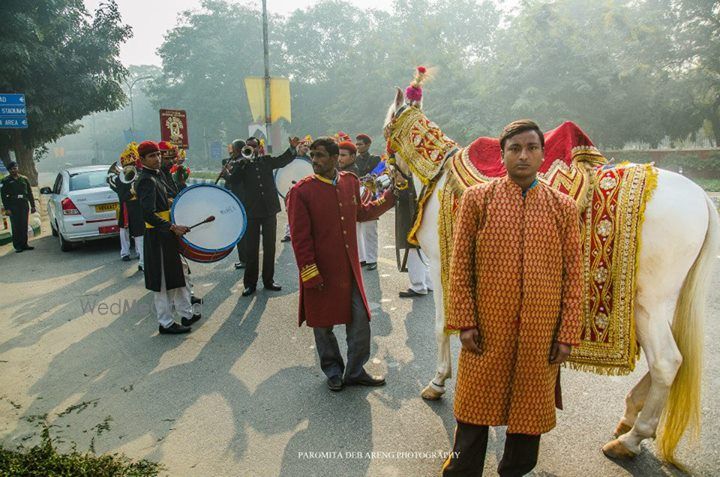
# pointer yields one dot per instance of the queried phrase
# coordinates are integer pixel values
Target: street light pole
(266, 51)
(132, 106)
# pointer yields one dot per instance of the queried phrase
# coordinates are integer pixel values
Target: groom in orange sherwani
(516, 298)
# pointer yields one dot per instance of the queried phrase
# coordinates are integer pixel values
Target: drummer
(170, 154)
(163, 267)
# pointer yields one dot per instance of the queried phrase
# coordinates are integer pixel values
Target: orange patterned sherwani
(515, 275)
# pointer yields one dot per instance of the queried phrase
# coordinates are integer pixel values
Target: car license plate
(106, 207)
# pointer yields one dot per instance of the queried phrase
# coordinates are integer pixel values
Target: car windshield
(88, 180)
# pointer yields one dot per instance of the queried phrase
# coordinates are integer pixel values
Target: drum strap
(163, 214)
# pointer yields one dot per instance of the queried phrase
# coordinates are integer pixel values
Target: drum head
(195, 204)
(286, 177)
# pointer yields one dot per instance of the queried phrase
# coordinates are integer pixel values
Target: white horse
(680, 237)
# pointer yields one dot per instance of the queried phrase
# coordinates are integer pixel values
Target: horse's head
(417, 143)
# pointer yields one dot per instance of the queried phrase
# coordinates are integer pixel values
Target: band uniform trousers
(468, 456)
(360, 242)
(267, 226)
(19, 213)
(419, 271)
(241, 248)
(125, 244)
(167, 301)
(369, 232)
(358, 343)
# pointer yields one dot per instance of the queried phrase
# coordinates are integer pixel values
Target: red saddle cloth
(484, 152)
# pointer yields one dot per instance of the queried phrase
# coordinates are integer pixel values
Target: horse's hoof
(430, 394)
(621, 429)
(616, 450)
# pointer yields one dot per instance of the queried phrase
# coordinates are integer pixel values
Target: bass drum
(286, 177)
(214, 240)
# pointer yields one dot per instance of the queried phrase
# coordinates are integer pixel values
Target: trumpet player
(130, 219)
(234, 183)
(262, 206)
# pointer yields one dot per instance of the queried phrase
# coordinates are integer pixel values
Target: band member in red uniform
(323, 210)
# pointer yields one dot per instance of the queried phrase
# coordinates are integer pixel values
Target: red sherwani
(323, 218)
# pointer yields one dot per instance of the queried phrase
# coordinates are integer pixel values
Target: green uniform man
(18, 200)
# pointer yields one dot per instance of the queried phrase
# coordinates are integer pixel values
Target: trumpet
(129, 174)
(247, 152)
(126, 175)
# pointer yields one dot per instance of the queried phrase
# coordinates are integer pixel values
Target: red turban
(147, 147)
(348, 146)
(364, 138)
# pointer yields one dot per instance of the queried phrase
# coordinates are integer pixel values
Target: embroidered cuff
(308, 272)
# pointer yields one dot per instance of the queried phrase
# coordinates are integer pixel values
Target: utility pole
(266, 50)
(132, 107)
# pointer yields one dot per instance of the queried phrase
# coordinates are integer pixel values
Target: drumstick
(209, 219)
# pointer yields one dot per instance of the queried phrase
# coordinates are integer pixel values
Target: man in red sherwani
(323, 210)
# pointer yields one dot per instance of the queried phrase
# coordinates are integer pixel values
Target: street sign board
(19, 122)
(173, 127)
(216, 150)
(13, 112)
(12, 99)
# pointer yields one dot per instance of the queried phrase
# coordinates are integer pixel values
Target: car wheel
(65, 246)
(54, 230)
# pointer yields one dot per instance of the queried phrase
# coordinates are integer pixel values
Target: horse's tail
(683, 407)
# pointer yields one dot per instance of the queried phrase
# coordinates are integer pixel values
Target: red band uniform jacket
(323, 218)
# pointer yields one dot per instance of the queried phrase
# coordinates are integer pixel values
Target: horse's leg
(664, 359)
(436, 388)
(634, 402)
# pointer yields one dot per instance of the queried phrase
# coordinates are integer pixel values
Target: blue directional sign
(12, 99)
(216, 150)
(13, 111)
(19, 122)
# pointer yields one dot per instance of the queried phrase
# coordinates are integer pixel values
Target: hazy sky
(150, 19)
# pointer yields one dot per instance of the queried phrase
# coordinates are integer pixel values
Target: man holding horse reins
(516, 299)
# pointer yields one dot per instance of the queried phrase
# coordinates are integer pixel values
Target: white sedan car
(82, 206)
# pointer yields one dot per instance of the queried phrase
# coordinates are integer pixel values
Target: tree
(66, 62)
(205, 60)
(697, 29)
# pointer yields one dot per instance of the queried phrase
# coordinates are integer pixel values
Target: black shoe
(173, 329)
(248, 291)
(410, 293)
(371, 266)
(272, 286)
(189, 321)
(19, 250)
(239, 265)
(335, 383)
(363, 263)
(366, 380)
(195, 300)
(285, 238)
(140, 268)
(125, 258)
(28, 247)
